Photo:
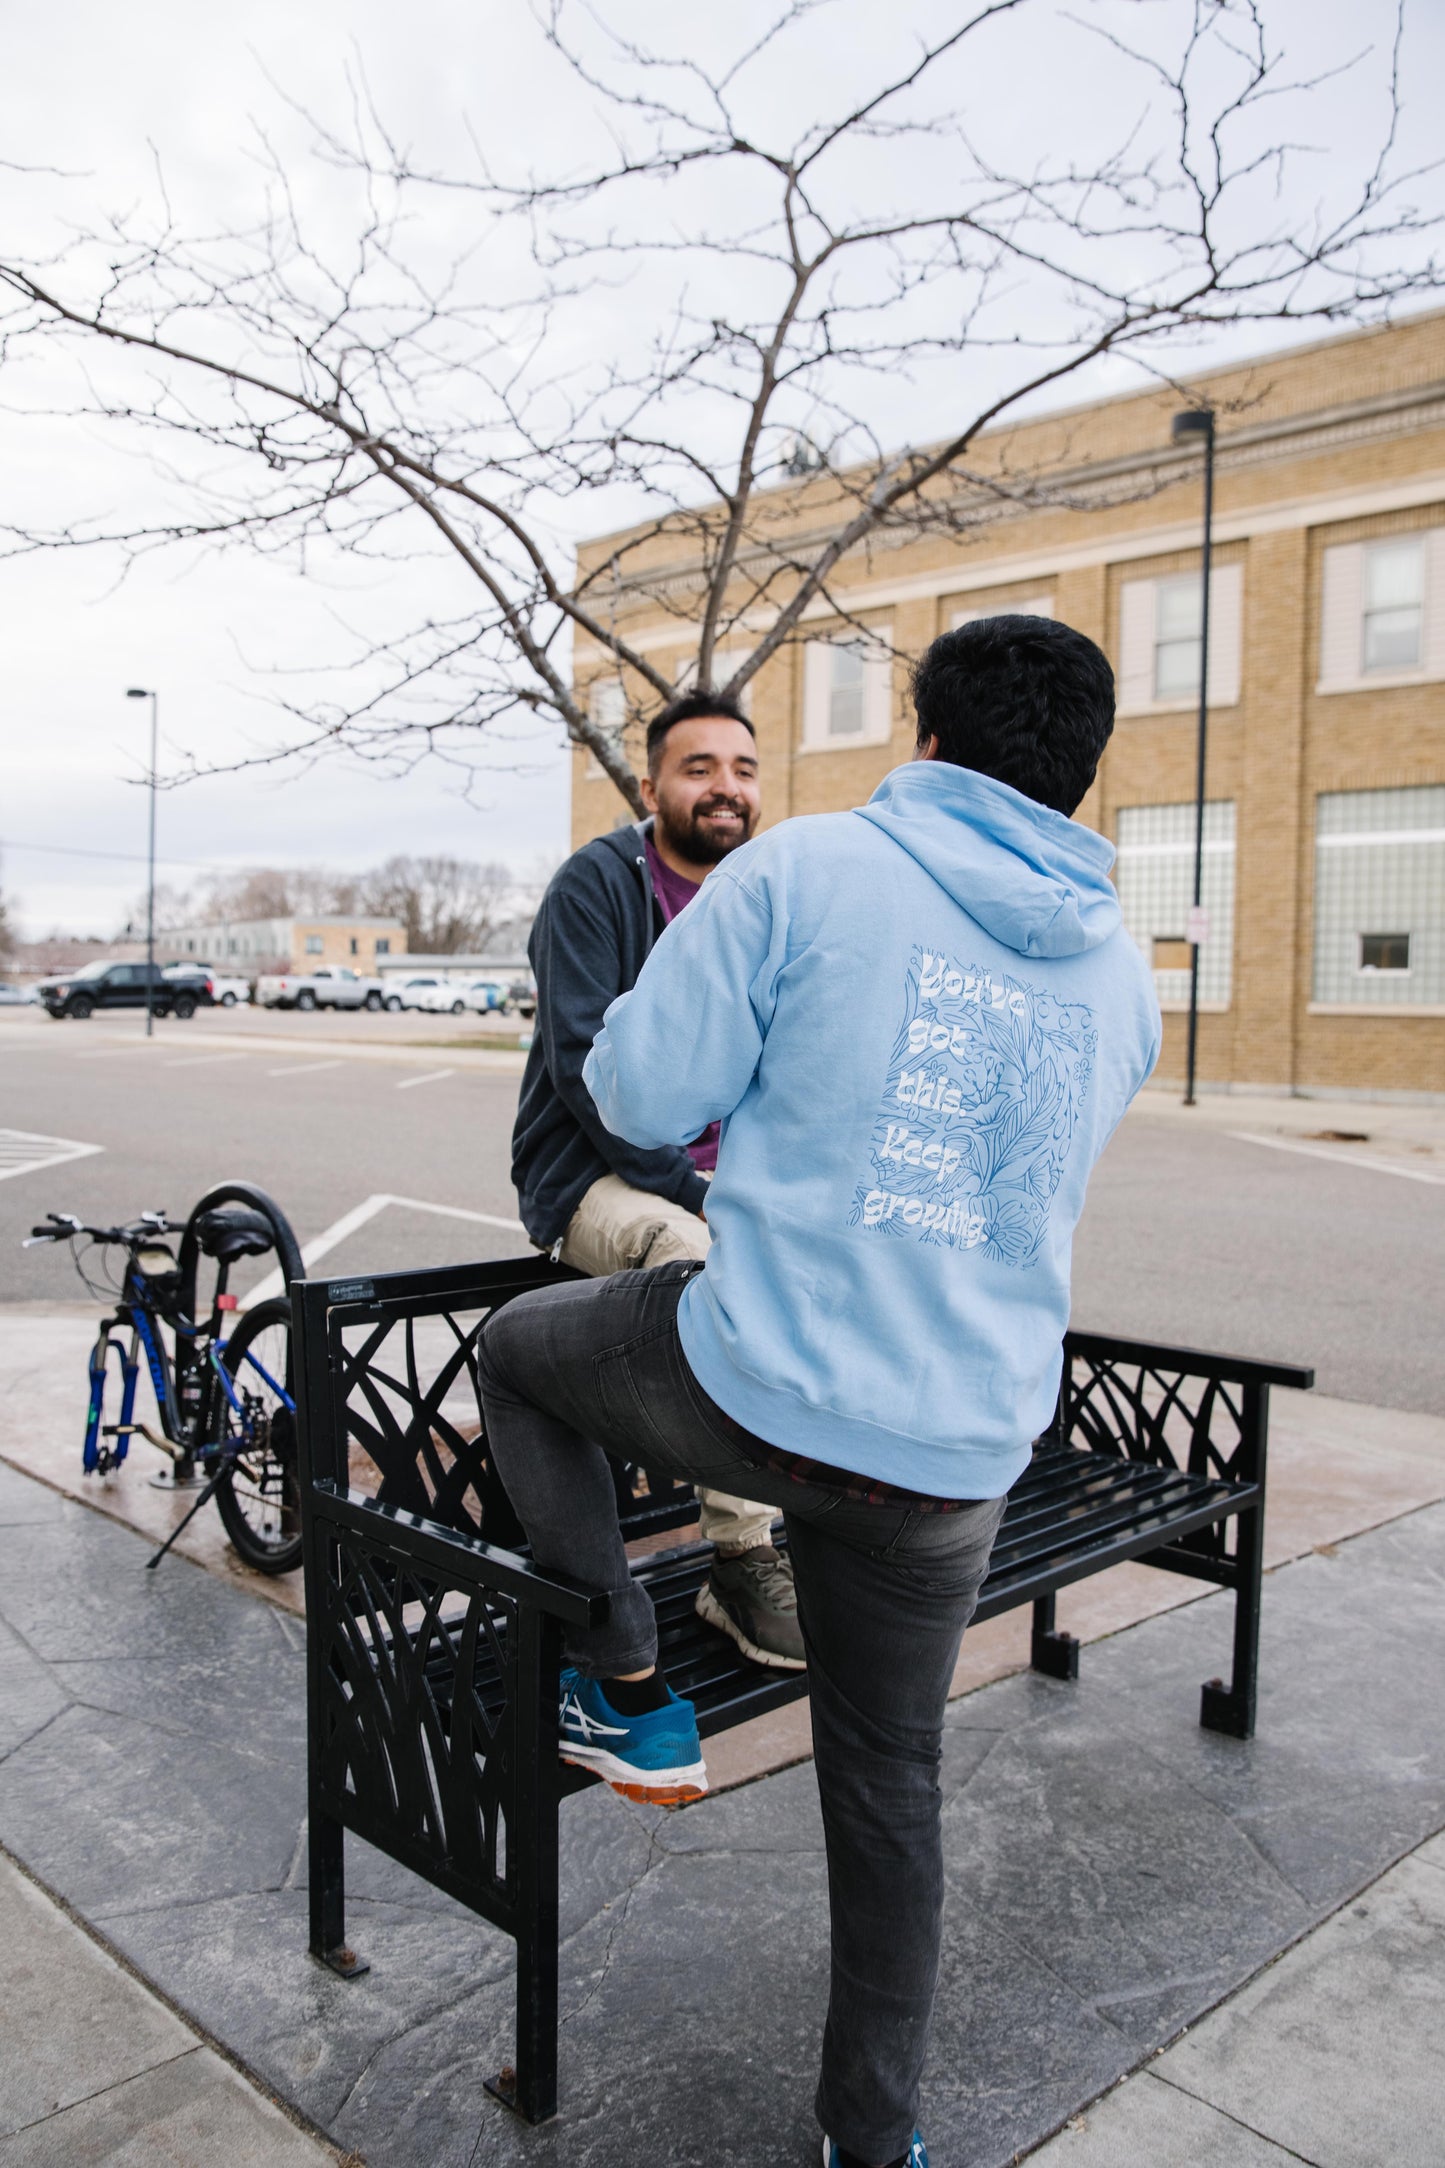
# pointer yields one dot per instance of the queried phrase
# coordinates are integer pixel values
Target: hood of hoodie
(1033, 879)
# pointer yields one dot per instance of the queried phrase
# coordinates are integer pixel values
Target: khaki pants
(617, 1228)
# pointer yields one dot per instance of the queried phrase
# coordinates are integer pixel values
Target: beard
(691, 834)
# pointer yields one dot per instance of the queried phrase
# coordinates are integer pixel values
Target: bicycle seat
(230, 1231)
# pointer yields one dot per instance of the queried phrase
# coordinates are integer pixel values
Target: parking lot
(386, 1139)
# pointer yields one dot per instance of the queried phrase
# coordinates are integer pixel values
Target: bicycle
(225, 1404)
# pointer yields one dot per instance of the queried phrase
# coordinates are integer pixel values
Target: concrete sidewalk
(95, 2068)
(1333, 2056)
(1114, 1873)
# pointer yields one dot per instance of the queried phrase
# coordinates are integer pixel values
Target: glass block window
(315, 946)
(1380, 897)
(1394, 599)
(1155, 876)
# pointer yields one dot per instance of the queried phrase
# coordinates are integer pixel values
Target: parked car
(522, 995)
(455, 996)
(11, 995)
(227, 988)
(123, 986)
(413, 993)
(329, 986)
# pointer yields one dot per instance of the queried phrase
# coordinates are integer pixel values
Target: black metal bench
(434, 1643)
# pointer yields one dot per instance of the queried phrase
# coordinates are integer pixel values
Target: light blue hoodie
(918, 1023)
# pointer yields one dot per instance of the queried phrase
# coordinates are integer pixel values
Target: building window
(383, 944)
(1160, 636)
(1384, 952)
(1178, 636)
(1380, 862)
(607, 709)
(725, 660)
(1155, 876)
(845, 689)
(1394, 599)
(315, 946)
(847, 693)
(355, 946)
(1382, 612)
(975, 612)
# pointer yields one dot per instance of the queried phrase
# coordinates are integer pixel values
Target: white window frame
(877, 693)
(1342, 616)
(1137, 650)
(724, 661)
(605, 694)
(973, 613)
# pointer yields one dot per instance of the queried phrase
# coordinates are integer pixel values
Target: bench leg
(327, 1871)
(530, 2086)
(1055, 1654)
(1231, 1709)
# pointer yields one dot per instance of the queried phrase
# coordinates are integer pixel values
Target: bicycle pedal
(119, 1430)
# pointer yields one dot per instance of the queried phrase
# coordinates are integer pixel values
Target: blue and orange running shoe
(656, 1757)
(915, 2157)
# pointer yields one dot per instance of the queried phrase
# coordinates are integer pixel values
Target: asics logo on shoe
(575, 1718)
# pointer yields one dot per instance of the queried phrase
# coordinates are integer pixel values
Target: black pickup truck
(123, 986)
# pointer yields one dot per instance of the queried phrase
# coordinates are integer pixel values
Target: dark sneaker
(915, 2157)
(656, 1757)
(752, 1599)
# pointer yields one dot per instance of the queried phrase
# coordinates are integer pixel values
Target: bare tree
(696, 308)
(447, 905)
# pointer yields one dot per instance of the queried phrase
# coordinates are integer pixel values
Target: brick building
(286, 944)
(1325, 803)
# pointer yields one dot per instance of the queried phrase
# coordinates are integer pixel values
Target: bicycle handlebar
(64, 1226)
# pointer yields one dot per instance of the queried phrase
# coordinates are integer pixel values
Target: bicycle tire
(257, 1488)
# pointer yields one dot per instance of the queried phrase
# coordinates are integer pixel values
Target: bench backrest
(396, 1413)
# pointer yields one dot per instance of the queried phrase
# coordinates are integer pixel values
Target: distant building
(1323, 967)
(286, 944)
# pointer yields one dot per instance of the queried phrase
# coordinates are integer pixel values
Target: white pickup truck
(329, 986)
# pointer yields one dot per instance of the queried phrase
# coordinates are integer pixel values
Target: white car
(11, 996)
(414, 993)
(226, 988)
(454, 997)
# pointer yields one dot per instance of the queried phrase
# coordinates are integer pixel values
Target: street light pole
(138, 692)
(1199, 422)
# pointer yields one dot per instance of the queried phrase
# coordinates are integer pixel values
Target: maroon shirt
(674, 892)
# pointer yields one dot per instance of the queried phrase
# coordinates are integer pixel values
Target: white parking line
(200, 1061)
(1347, 1159)
(307, 1068)
(433, 1076)
(317, 1247)
(23, 1152)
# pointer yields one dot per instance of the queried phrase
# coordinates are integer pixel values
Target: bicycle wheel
(259, 1494)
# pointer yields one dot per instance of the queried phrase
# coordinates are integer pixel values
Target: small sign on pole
(1196, 931)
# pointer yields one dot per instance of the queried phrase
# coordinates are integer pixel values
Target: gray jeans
(571, 1373)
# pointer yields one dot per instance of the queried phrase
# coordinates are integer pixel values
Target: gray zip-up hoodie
(593, 933)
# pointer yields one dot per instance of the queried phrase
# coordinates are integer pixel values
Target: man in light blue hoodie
(918, 1024)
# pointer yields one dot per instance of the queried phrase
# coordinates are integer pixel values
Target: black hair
(1024, 699)
(692, 708)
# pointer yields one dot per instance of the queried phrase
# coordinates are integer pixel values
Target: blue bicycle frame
(136, 1312)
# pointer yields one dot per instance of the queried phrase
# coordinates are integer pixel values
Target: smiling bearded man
(591, 1199)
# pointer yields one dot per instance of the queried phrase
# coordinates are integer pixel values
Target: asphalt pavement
(388, 1139)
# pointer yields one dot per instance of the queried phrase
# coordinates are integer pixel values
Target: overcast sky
(89, 88)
